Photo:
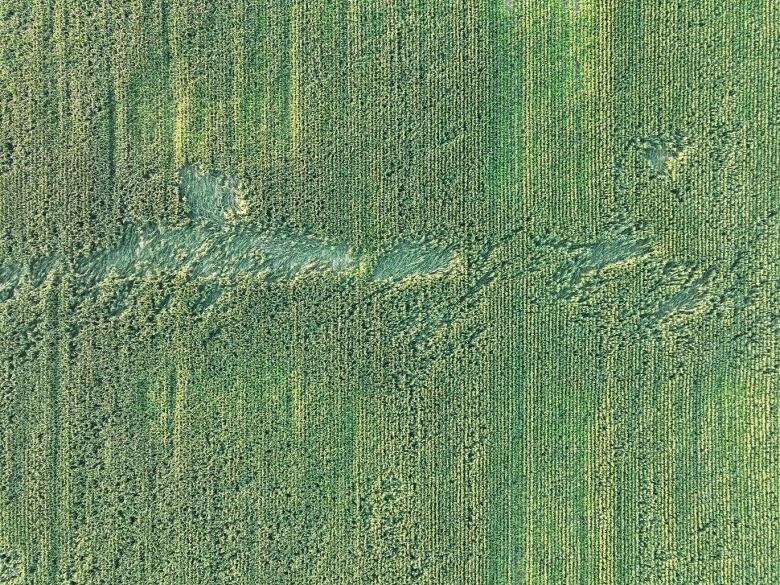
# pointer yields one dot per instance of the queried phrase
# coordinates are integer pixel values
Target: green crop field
(389, 292)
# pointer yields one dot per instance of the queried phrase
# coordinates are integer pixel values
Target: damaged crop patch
(664, 153)
(617, 247)
(219, 243)
(407, 259)
(10, 567)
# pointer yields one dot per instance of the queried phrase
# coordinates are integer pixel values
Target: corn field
(389, 292)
